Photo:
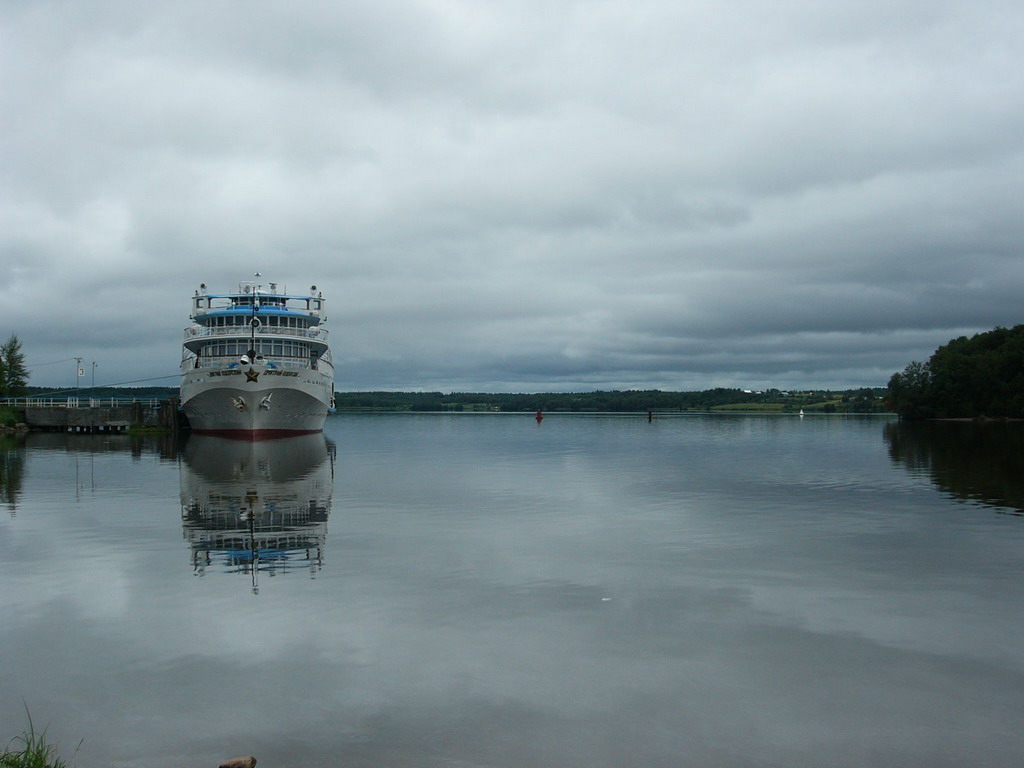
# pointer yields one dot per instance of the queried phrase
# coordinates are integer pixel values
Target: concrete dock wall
(104, 418)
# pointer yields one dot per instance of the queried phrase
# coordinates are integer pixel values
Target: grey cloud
(518, 196)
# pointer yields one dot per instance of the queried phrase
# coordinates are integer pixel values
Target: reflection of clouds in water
(66, 546)
(627, 684)
(103, 588)
(92, 584)
(256, 506)
(776, 620)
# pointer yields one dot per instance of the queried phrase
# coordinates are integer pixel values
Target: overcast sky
(517, 195)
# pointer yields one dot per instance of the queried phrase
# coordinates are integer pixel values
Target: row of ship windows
(273, 321)
(268, 348)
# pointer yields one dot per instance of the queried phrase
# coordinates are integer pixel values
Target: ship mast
(254, 322)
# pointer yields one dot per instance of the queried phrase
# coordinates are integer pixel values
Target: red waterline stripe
(255, 435)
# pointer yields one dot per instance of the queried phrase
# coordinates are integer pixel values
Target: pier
(108, 414)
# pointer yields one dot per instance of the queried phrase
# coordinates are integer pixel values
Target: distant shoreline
(863, 400)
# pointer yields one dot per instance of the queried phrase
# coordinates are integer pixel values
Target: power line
(105, 386)
(53, 362)
(136, 381)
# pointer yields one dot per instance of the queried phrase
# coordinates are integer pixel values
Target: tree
(910, 391)
(13, 372)
(967, 378)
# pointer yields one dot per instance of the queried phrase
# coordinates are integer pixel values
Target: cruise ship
(256, 363)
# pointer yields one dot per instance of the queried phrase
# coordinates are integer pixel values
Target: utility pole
(93, 377)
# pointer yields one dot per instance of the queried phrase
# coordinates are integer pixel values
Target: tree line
(865, 400)
(980, 376)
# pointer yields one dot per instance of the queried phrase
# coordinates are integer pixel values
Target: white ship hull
(254, 401)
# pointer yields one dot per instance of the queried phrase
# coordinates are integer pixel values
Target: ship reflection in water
(257, 507)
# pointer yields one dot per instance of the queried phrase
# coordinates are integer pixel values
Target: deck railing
(77, 402)
(242, 330)
(287, 362)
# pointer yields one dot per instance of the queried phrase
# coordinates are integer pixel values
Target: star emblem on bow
(252, 375)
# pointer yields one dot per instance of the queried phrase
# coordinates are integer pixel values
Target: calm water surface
(481, 590)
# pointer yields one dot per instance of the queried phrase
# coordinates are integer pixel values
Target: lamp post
(78, 375)
(94, 375)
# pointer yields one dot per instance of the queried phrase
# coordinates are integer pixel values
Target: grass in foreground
(31, 750)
